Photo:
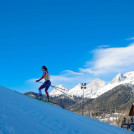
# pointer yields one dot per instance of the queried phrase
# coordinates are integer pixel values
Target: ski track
(20, 114)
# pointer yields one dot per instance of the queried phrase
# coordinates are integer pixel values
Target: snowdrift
(20, 114)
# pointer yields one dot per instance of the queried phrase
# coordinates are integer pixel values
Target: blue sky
(64, 35)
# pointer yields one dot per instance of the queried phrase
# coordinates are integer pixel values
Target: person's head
(44, 68)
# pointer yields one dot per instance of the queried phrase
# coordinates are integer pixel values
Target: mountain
(118, 78)
(76, 91)
(58, 90)
(98, 87)
(91, 89)
(20, 114)
(119, 98)
(129, 76)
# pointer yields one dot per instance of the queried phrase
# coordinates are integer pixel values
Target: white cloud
(105, 62)
(87, 70)
(103, 46)
(132, 38)
(72, 72)
(113, 59)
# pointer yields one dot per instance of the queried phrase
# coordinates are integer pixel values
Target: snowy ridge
(118, 78)
(127, 78)
(61, 90)
(76, 91)
(92, 88)
(20, 114)
(98, 87)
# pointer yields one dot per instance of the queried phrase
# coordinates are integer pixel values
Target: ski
(45, 101)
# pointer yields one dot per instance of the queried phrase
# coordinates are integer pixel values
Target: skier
(46, 84)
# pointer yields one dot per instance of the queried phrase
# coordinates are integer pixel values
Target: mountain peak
(129, 75)
(60, 86)
(97, 82)
(58, 90)
(118, 78)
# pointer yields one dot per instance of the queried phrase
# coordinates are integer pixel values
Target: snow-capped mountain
(93, 87)
(76, 91)
(127, 78)
(97, 87)
(118, 78)
(89, 91)
(58, 90)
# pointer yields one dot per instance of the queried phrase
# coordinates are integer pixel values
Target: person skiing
(46, 84)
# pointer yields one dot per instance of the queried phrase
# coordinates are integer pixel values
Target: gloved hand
(37, 80)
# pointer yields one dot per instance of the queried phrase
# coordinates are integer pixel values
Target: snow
(91, 89)
(59, 90)
(118, 78)
(129, 76)
(110, 118)
(77, 91)
(20, 114)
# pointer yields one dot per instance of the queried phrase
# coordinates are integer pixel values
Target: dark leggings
(45, 85)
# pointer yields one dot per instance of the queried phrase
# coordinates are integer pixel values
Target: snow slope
(20, 114)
